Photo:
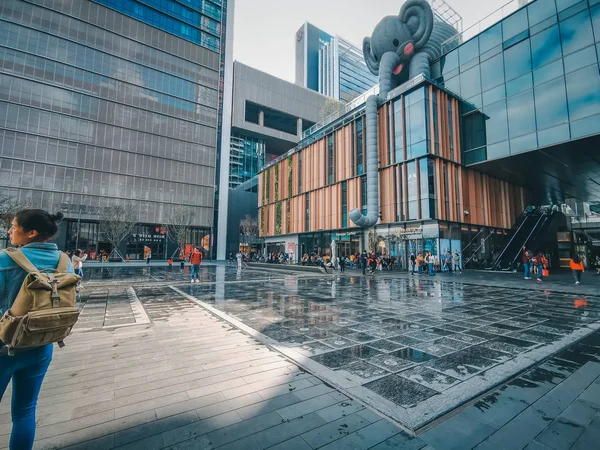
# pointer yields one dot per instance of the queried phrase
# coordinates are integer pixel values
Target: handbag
(545, 273)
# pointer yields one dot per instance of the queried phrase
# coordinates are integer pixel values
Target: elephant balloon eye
(396, 42)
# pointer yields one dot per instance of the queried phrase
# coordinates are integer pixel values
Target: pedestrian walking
(239, 257)
(527, 256)
(77, 260)
(195, 258)
(420, 262)
(363, 261)
(148, 258)
(372, 261)
(413, 263)
(431, 262)
(456, 262)
(542, 266)
(576, 267)
(448, 261)
(342, 264)
(31, 230)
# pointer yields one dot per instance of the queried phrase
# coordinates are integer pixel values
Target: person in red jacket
(577, 267)
(195, 261)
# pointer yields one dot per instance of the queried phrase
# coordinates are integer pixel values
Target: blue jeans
(79, 272)
(420, 270)
(27, 370)
(431, 272)
(527, 266)
(194, 271)
(540, 272)
(412, 265)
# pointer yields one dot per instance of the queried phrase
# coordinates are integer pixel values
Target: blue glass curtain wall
(532, 80)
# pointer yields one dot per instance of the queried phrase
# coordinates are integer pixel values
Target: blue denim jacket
(42, 255)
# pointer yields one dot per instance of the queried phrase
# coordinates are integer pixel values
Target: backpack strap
(20, 259)
(63, 263)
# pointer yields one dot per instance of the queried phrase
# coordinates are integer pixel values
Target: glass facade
(342, 71)
(198, 21)
(247, 158)
(531, 81)
(97, 109)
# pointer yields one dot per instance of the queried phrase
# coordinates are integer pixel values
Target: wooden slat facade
(489, 201)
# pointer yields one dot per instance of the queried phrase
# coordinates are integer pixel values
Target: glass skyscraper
(343, 73)
(111, 102)
(330, 65)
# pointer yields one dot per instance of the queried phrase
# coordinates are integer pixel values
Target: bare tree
(116, 223)
(181, 220)
(250, 231)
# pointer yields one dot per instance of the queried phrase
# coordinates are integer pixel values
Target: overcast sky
(265, 30)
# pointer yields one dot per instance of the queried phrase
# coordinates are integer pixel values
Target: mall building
(496, 147)
(116, 102)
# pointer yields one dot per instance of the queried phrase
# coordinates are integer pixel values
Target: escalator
(528, 231)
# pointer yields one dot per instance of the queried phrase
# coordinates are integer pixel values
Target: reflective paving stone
(345, 356)
(458, 365)
(536, 336)
(509, 345)
(385, 345)
(439, 331)
(486, 336)
(364, 370)
(429, 378)
(432, 348)
(411, 354)
(383, 333)
(313, 348)
(422, 335)
(405, 340)
(451, 343)
(338, 342)
(360, 337)
(400, 390)
(453, 328)
(390, 362)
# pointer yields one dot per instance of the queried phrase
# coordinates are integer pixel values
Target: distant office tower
(330, 65)
(113, 102)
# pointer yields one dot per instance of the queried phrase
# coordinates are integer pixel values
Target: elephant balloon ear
(418, 16)
(370, 58)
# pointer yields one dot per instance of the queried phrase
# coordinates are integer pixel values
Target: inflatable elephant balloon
(400, 48)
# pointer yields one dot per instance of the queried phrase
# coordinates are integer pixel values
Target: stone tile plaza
(397, 249)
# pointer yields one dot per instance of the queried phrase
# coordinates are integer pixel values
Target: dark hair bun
(56, 217)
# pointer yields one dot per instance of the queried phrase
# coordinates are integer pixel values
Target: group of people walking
(429, 264)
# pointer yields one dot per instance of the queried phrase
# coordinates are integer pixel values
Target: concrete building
(113, 102)
(268, 118)
(481, 155)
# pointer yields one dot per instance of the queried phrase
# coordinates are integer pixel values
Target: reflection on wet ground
(408, 340)
(152, 274)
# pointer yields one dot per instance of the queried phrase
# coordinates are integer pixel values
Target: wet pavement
(116, 274)
(416, 347)
(517, 368)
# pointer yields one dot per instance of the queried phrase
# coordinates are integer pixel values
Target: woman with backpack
(31, 229)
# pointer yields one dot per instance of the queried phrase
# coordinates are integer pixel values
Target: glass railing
(358, 101)
(485, 23)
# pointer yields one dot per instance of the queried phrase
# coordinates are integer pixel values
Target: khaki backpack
(44, 311)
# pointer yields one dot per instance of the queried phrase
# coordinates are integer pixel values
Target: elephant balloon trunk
(389, 62)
